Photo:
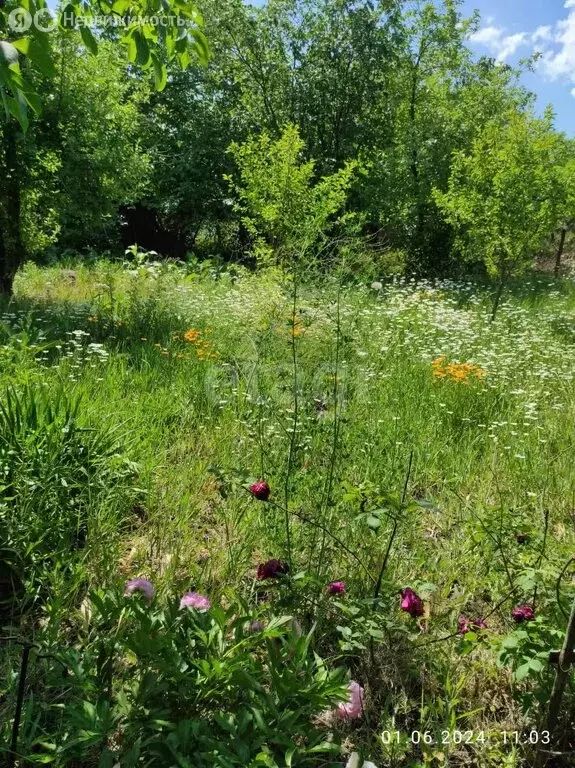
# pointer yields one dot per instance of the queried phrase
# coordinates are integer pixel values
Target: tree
(173, 33)
(398, 89)
(500, 194)
(83, 157)
(174, 38)
(285, 212)
(564, 194)
(324, 65)
(188, 129)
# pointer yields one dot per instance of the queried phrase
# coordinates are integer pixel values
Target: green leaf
(142, 49)
(522, 671)
(22, 44)
(8, 53)
(132, 49)
(160, 73)
(40, 55)
(89, 40)
(536, 665)
(18, 110)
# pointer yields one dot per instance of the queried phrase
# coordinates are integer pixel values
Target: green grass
(190, 424)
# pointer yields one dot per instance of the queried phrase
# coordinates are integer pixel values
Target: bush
(157, 685)
(286, 212)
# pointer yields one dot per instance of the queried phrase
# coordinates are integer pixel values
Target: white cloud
(510, 44)
(487, 35)
(499, 44)
(542, 33)
(555, 42)
(558, 61)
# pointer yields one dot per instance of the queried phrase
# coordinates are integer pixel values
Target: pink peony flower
(260, 490)
(411, 602)
(353, 707)
(143, 586)
(195, 601)
(273, 569)
(471, 625)
(523, 613)
(336, 588)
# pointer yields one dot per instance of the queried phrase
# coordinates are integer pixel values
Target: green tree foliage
(391, 86)
(174, 38)
(176, 32)
(285, 212)
(186, 132)
(397, 88)
(563, 170)
(85, 157)
(500, 194)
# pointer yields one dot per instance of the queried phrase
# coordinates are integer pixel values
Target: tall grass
(329, 394)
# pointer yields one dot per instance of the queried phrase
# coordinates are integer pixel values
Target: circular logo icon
(44, 21)
(19, 20)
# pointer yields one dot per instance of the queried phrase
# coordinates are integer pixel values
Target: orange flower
(462, 372)
(192, 335)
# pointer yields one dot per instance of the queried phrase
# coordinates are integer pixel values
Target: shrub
(285, 211)
(157, 685)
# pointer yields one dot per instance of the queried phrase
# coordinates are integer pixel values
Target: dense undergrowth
(408, 444)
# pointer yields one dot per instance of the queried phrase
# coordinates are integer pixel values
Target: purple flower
(196, 601)
(260, 490)
(140, 585)
(411, 602)
(523, 613)
(255, 626)
(471, 625)
(273, 569)
(353, 707)
(336, 588)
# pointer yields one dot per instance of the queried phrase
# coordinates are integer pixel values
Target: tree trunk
(498, 295)
(11, 245)
(560, 251)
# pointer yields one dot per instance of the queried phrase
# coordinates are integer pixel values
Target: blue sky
(513, 29)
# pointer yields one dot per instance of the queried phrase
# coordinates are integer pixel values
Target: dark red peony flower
(260, 490)
(273, 569)
(471, 625)
(523, 613)
(411, 602)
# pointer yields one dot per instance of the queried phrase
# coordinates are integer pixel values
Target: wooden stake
(563, 666)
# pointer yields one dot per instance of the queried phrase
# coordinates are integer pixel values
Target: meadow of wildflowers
(379, 476)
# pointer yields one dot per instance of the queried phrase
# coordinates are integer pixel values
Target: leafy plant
(526, 652)
(500, 196)
(157, 685)
(53, 474)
